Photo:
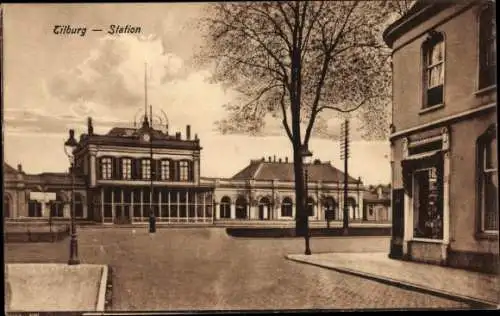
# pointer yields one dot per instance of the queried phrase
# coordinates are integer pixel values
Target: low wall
(35, 232)
(314, 232)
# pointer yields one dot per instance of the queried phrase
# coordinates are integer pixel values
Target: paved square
(204, 269)
(52, 287)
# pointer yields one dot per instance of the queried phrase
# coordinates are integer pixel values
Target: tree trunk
(299, 183)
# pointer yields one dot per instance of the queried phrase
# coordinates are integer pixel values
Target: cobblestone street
(203, 268)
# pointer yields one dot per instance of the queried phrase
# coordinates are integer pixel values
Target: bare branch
(285, 120)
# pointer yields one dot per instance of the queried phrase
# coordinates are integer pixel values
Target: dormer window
(487, 47)
(433, 50)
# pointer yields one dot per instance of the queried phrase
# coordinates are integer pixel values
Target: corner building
(444, 134)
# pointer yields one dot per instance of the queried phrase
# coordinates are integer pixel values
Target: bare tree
(295, 60)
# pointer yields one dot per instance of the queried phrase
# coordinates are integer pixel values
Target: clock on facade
(146, 137)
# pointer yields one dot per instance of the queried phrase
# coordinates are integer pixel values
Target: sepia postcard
(249, 157)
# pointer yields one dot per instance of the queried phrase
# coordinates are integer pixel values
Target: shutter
(158, 170)
(171, 165)
(177, 169)
(190, 171)
(136, 165)
(99, 168)
(154, 172)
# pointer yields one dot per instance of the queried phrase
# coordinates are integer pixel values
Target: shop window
(434, 62)
(427, 204)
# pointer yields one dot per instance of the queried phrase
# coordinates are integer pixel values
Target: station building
(124, 174)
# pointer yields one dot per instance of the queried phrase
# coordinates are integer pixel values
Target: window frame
(144, 162)
(103, 167)
(184, 166)
(415, 197)
(165, 173)
(285, 202)
(481, 46)
(482, 143)
(124, 174)
(434, 38)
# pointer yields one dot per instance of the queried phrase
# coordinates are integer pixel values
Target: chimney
(379, 192)
(286, 159)
(19, 167)
(178, 135)
(279, 160)
(269, 158)
(90, 128)
(188, 132)
(195, 136)
(274, 159)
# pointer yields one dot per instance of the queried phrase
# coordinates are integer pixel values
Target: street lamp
(306, 160)
(69, 147)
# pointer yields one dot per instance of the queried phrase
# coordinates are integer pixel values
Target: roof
(422, 10)
(8, 169)
(371, 194)
(131, 137)
(284, 171)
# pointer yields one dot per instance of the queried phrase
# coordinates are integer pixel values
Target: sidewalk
(53, 287)
(475, 288)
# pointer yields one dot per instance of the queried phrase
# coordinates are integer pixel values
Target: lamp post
(306, 157)
(69, 147)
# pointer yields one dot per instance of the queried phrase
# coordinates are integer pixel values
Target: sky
(53, 82)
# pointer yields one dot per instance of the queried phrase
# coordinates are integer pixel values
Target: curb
(101, 295)
(474, 303)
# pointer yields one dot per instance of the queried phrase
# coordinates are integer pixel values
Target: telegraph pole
(344, 154)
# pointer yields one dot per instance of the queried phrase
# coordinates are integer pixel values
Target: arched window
(330, 206)
(225, 207)
(351, 204)
(286, 207)
(241, 207)
(434, 66)
(487, 47)
(264, 208)
(57, 206)
(6, 206)
(34, 208)
(488, 180)
(310, 206)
